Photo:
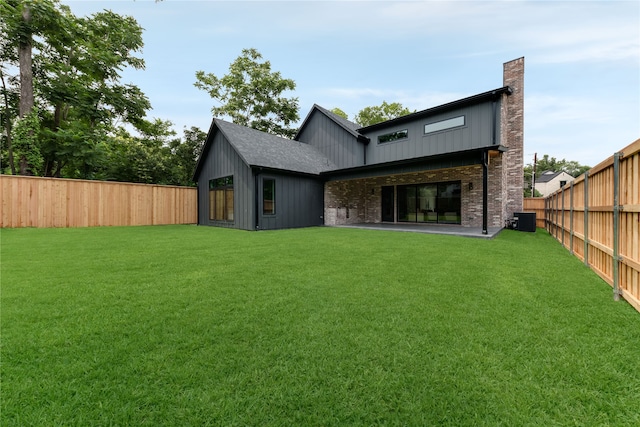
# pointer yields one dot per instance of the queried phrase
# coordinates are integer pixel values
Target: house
(457, 163)
(549, 181)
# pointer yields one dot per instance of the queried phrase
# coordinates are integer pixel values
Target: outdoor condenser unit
(525, 221)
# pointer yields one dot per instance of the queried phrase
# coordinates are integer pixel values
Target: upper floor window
(393, 136)
(444, 124)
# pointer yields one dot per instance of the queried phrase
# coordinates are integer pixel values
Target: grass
(185, 325)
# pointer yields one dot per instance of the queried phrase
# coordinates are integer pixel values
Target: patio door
(430, 203)
(387, 204)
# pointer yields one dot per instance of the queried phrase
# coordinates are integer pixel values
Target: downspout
(197, 203)
(485, 166)
(365, 143)
(494, 104)
(257, 199)
(485, 187)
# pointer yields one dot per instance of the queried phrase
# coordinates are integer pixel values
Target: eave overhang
(416, 160)
(472, 100)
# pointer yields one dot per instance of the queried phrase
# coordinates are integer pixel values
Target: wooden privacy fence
(535, 204)
(53, 202)
(597, 218)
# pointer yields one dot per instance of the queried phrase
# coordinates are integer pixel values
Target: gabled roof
(347, 125)
(547, 176)
(261, 149)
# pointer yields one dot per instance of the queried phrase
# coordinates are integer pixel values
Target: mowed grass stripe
(185, 325)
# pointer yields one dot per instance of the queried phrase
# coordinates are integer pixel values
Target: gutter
(257, 198)
(365, 142)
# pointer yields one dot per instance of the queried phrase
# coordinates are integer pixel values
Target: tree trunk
(7, 124)
(26, 67)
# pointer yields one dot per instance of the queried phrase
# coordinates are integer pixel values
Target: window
(444, 124)
(269, 197)
(221, 199)
(563, 183)
(393, 136)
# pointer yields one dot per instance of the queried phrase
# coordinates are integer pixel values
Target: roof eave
(500, 148)
(471, 100)
(203, 153)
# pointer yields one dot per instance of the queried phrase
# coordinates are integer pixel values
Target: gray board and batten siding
(480, 130)
(298, 201)
(333, 136)
(221, 160)
(251, 156)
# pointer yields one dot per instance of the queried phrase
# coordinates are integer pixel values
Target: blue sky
(582, 59)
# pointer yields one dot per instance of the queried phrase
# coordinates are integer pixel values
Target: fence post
(557, 210)
(571, 218)
(563, 228)
(616, 223)
(546, 214)
(586, 218)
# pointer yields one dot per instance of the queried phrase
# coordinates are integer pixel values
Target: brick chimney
(512, 136)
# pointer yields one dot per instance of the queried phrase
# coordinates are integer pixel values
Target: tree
(252, 95)
(340, 113)
(75, 64)
(22, 20)
(371, 115)
(80, 83)
(546, 163)
(185, 154)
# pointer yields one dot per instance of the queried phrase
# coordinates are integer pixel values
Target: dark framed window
(269, 196)
(444, 124)
(221, 199)
(393, 136)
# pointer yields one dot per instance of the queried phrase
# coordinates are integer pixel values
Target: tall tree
(76, 80)
(22, 20)
(376, 114)
(81, 83)
(252, 95)
(547, 163)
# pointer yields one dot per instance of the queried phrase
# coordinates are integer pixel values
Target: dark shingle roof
(547, 176)
(269, 151)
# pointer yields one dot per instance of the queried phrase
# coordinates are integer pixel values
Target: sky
(582, 59)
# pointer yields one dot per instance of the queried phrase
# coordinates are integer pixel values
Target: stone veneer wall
(512, 136)
(359, 200)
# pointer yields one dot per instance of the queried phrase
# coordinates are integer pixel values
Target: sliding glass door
(430, 203)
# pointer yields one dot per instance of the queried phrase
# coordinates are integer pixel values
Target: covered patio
(454, 230)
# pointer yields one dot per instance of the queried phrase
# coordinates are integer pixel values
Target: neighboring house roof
(261, 149)
(347, 125)
(547, 176)
(475, 99)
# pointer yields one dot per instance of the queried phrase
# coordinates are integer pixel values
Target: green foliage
(546, 163)
(340, 113)
(26, 145)
(184, 325)
(376, 114)
(77, 63)
(571, 167)
(252, 95)
(156, 156)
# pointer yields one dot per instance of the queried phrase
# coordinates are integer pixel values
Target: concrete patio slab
(454, 230)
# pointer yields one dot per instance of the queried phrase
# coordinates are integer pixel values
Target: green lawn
(186, 325)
